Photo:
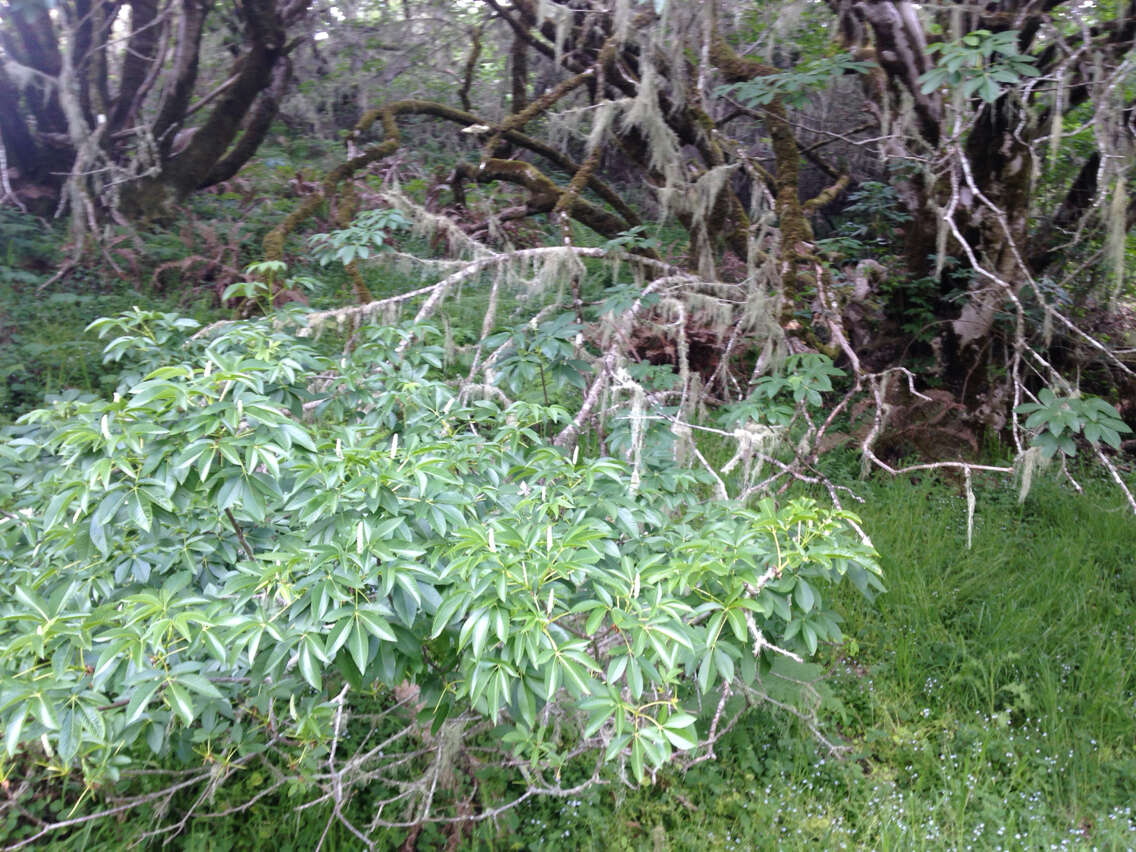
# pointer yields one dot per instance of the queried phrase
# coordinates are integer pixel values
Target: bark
(257, 123)
(175, 100)
(117, 167)
(141, 53)
(519, 61)
(189, 170)
(470, 68)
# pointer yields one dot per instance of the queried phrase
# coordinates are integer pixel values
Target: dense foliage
(692, 267)
(219, 559)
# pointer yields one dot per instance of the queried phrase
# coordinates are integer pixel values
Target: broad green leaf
(14, 727)
(179, 701)
(357, 645)
(375, 625)
(199, 684)
(70, 736)
(140, 698)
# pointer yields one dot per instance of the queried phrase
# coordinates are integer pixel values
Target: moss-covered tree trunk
(118, 122)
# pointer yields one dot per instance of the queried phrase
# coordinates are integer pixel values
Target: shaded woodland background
(951, 183)
(727, 251)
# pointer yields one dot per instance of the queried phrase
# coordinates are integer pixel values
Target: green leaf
(637, 759)
(98, 536)
(70, 736)
(351, 673)
(308, 668)
(357, 645)
(932, 81)
(447, 609)
(575, 676)
(179, 701)
(1109, 436)
(635, 678)
(441, 713)
(155, 737)
(725, 664)
(14, 727)
(682, 739)
(30, 600)
(229, 492)
(616, 745)
(337, 637)
(375, 625)
(1048, 445)
(199, 684)
(478, 629)
(44, 712)
(653, 749)
(803, 594)
(616, 668)
(990, 91)
(595, 618)
(810, 637)
(705, 673)
(93, 721)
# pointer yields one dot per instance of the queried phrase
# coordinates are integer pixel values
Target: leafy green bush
(1057, 420)
(220, 563)
(982, 62)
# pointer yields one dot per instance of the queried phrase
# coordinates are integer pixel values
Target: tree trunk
(116, 167)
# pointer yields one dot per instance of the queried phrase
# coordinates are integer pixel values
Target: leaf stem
(240, 534)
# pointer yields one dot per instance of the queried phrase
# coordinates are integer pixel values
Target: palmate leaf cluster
(368, 233)
(250, 529)
(982, 62)
(1056, 420)
(795, 86)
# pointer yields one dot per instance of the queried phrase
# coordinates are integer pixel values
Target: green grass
(988, 698)
(989, 701)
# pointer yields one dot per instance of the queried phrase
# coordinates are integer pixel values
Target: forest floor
(986, 701)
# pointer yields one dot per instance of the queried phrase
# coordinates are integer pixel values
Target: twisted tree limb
(388, 116)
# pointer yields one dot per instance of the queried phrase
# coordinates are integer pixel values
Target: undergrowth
(986, 701)
(989, 699)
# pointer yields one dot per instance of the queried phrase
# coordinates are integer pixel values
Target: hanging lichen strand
(1115, 141)
(636, 98)
(649, 115)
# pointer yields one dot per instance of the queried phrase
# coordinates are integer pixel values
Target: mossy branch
(388, 116)
(542, 104)
(796, 233)
(545, 196)
(470, 67)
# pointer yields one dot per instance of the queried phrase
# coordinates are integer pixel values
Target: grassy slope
(990, 704)
(989, 701)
